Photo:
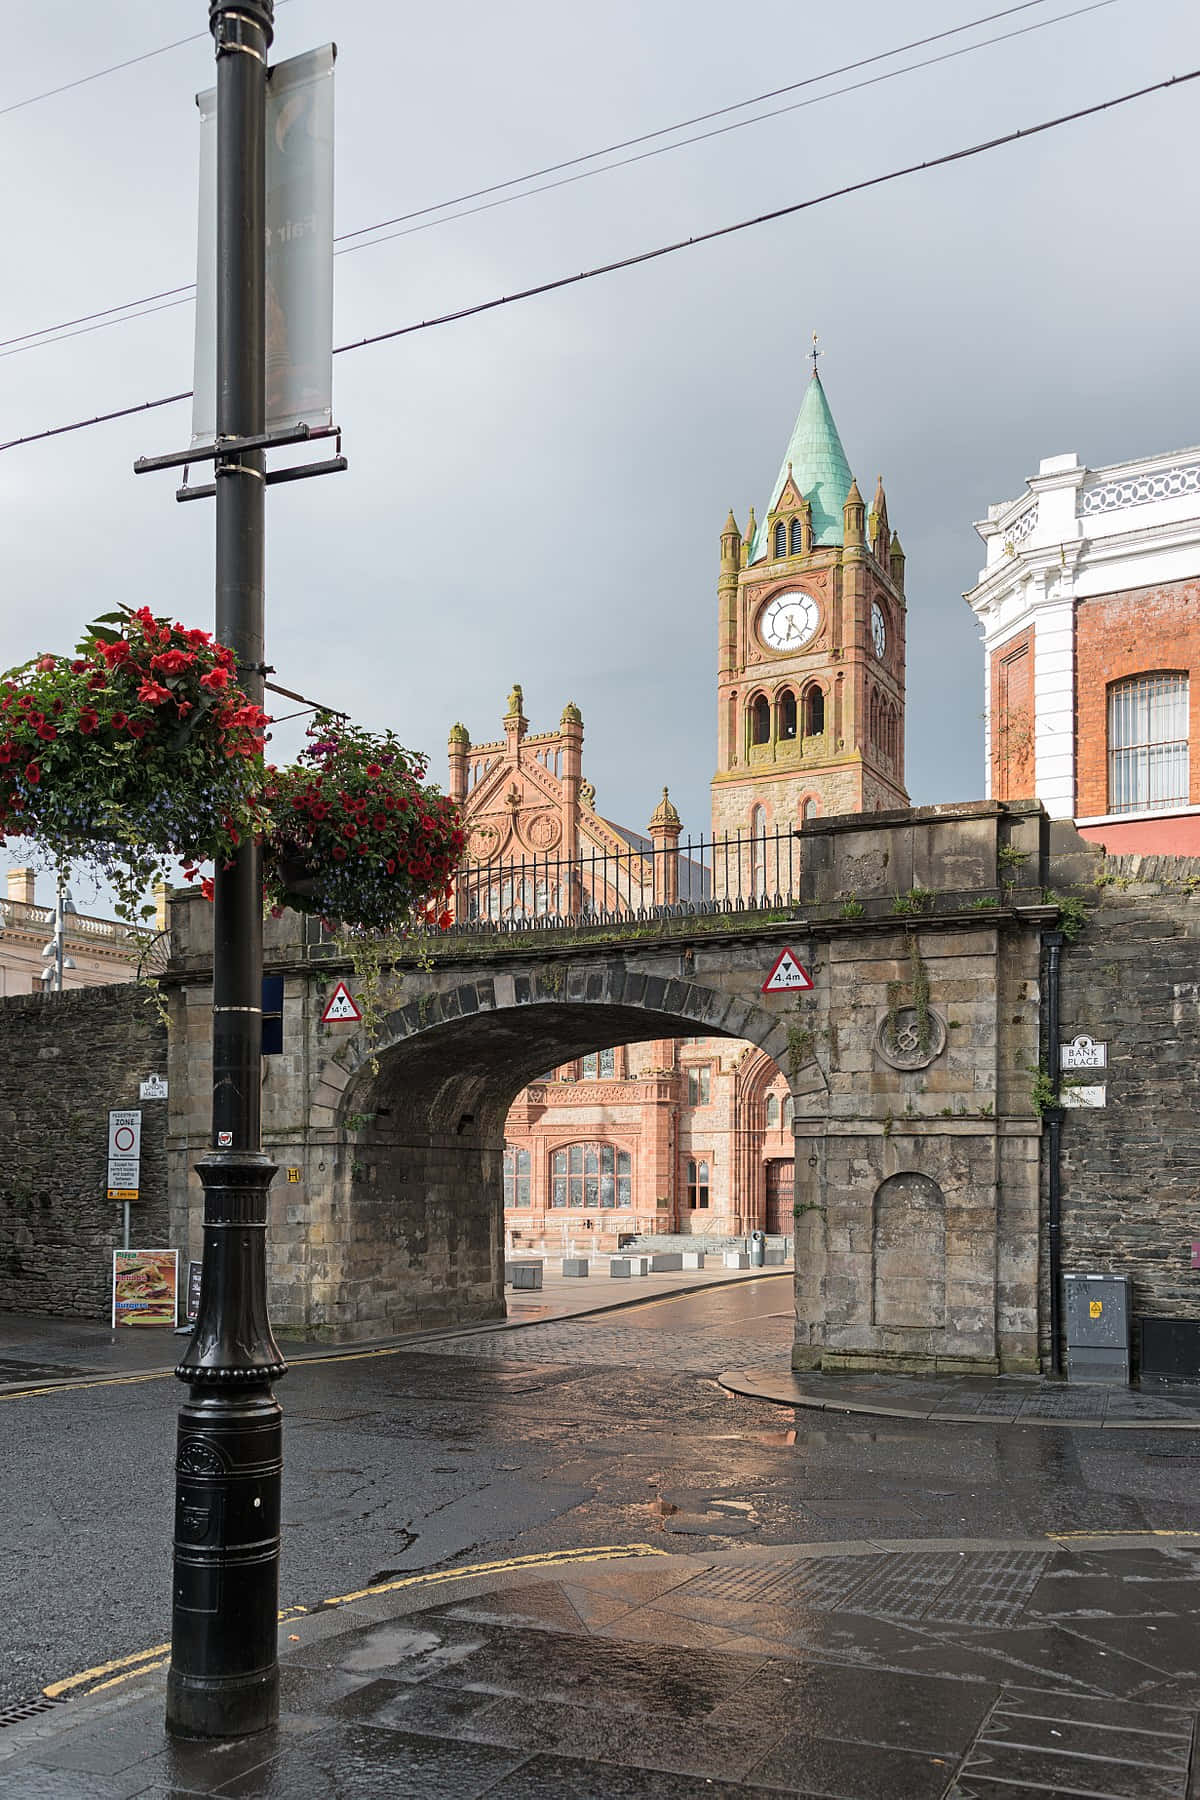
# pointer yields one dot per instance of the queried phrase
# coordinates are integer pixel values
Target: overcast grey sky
(536, 495)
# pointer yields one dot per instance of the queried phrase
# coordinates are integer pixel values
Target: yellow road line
(1133, 1531)
(118, 1662)
(73, 1387)
(142, 1662)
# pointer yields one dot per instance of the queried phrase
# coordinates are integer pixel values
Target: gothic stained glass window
(699, 1086)
(604, 1062)
(1148, 742)
(591, 1175)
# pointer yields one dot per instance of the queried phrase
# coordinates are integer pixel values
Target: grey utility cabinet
(1099, 1327)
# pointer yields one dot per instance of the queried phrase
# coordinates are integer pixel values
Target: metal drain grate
(17, 1711)
(970, 1590)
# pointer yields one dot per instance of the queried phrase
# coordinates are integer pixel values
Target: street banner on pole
(299, 249)
(144, 1284)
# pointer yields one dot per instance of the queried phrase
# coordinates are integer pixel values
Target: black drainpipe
(1053, 1118)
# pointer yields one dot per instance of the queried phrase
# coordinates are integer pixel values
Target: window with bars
(697, 1186)
(603, 1063)
(1148, 742)
(516, 1176)
(591, 1175)
(699, 1086)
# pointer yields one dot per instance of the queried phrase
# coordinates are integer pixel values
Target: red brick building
(1090, 611)
(694, 1135)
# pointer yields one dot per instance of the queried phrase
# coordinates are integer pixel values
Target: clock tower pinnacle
(811, 645)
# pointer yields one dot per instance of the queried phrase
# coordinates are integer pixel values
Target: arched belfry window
(786, 705)
(1148, 742)
(797, 537)
(814, 711)
(760, 720)
(781, 539)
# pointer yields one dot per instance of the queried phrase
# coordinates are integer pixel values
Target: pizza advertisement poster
(145, 1287)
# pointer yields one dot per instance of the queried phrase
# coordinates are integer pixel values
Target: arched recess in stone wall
(419, 1192)
(908, 1253)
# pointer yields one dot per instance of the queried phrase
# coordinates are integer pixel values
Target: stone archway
(416, 1208)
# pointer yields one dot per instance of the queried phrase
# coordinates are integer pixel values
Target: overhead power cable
(120, 314)
(112, 69)
(645, 256)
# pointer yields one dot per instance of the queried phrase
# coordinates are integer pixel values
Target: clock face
(878, 628)
(790, 621)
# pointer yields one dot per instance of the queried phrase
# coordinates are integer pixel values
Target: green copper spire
(819, 470)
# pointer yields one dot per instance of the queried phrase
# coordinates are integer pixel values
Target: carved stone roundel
(483, 843)
(543, 831)
(904, 1049)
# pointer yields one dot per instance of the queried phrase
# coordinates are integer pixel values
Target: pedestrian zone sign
(788, 976)
(340, 1008)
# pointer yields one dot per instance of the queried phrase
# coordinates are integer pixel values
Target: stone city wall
(68, 1058)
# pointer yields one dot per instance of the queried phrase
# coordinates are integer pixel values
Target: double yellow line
(143, 1662)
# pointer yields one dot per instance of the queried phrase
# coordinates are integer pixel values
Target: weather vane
(814, 353)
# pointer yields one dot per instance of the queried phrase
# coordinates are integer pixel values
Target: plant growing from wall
(1072, 914)
(800, 1041)
(918, 985)
(1009, 857)
(916, 900)
(852, 908)
(1041, 1093)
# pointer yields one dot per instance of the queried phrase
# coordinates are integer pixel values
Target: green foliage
(916, 900)
(138, 751)
(800, 1048)
(357, 836)
(852, 908)
(1072, 913)
(985, 903)
(1009, 857)
(1041, 1094)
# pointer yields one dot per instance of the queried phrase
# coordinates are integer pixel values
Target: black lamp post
(224, 1677)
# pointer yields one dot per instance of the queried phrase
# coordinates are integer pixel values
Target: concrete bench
(523, 1274)
(664, 1262)
(622, 1268)
(737, 1259)
(575, 1266)
(692, 1259)
(775, 1259)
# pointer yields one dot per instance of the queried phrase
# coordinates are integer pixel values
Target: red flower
(97, 680)
(115, 653)
(48, 733)
(33, 773)
(88, 720)
(145, 617)
(137, 728)
(380, 821)
(215, 680)
(151, 694)
(390, 865)
(373, 771)
(119, 721)
(172, 662)
(197, 637)
(224, 655)
(79, 665)
(183, 708)
(350, 830)
(206, 886)
(339, 851)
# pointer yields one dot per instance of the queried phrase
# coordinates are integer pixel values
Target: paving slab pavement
(974, 1399)
(938, 1669)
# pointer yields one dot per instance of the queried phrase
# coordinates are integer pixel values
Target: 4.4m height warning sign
(788, 976)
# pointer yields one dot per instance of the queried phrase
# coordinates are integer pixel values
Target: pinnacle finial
(664, 813)
(814, 352)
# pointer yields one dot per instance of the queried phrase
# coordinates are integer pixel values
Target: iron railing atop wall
(736, 873)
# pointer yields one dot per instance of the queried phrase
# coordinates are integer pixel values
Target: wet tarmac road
(603, 1431)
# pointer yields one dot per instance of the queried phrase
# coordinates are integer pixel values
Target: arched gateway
(902, 1073)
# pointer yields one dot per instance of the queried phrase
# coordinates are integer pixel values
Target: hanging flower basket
(356, 835)
(139, 750)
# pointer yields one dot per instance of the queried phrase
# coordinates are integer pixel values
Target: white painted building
(1089, 605)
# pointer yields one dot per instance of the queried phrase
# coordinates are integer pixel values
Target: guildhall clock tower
(811, 645)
